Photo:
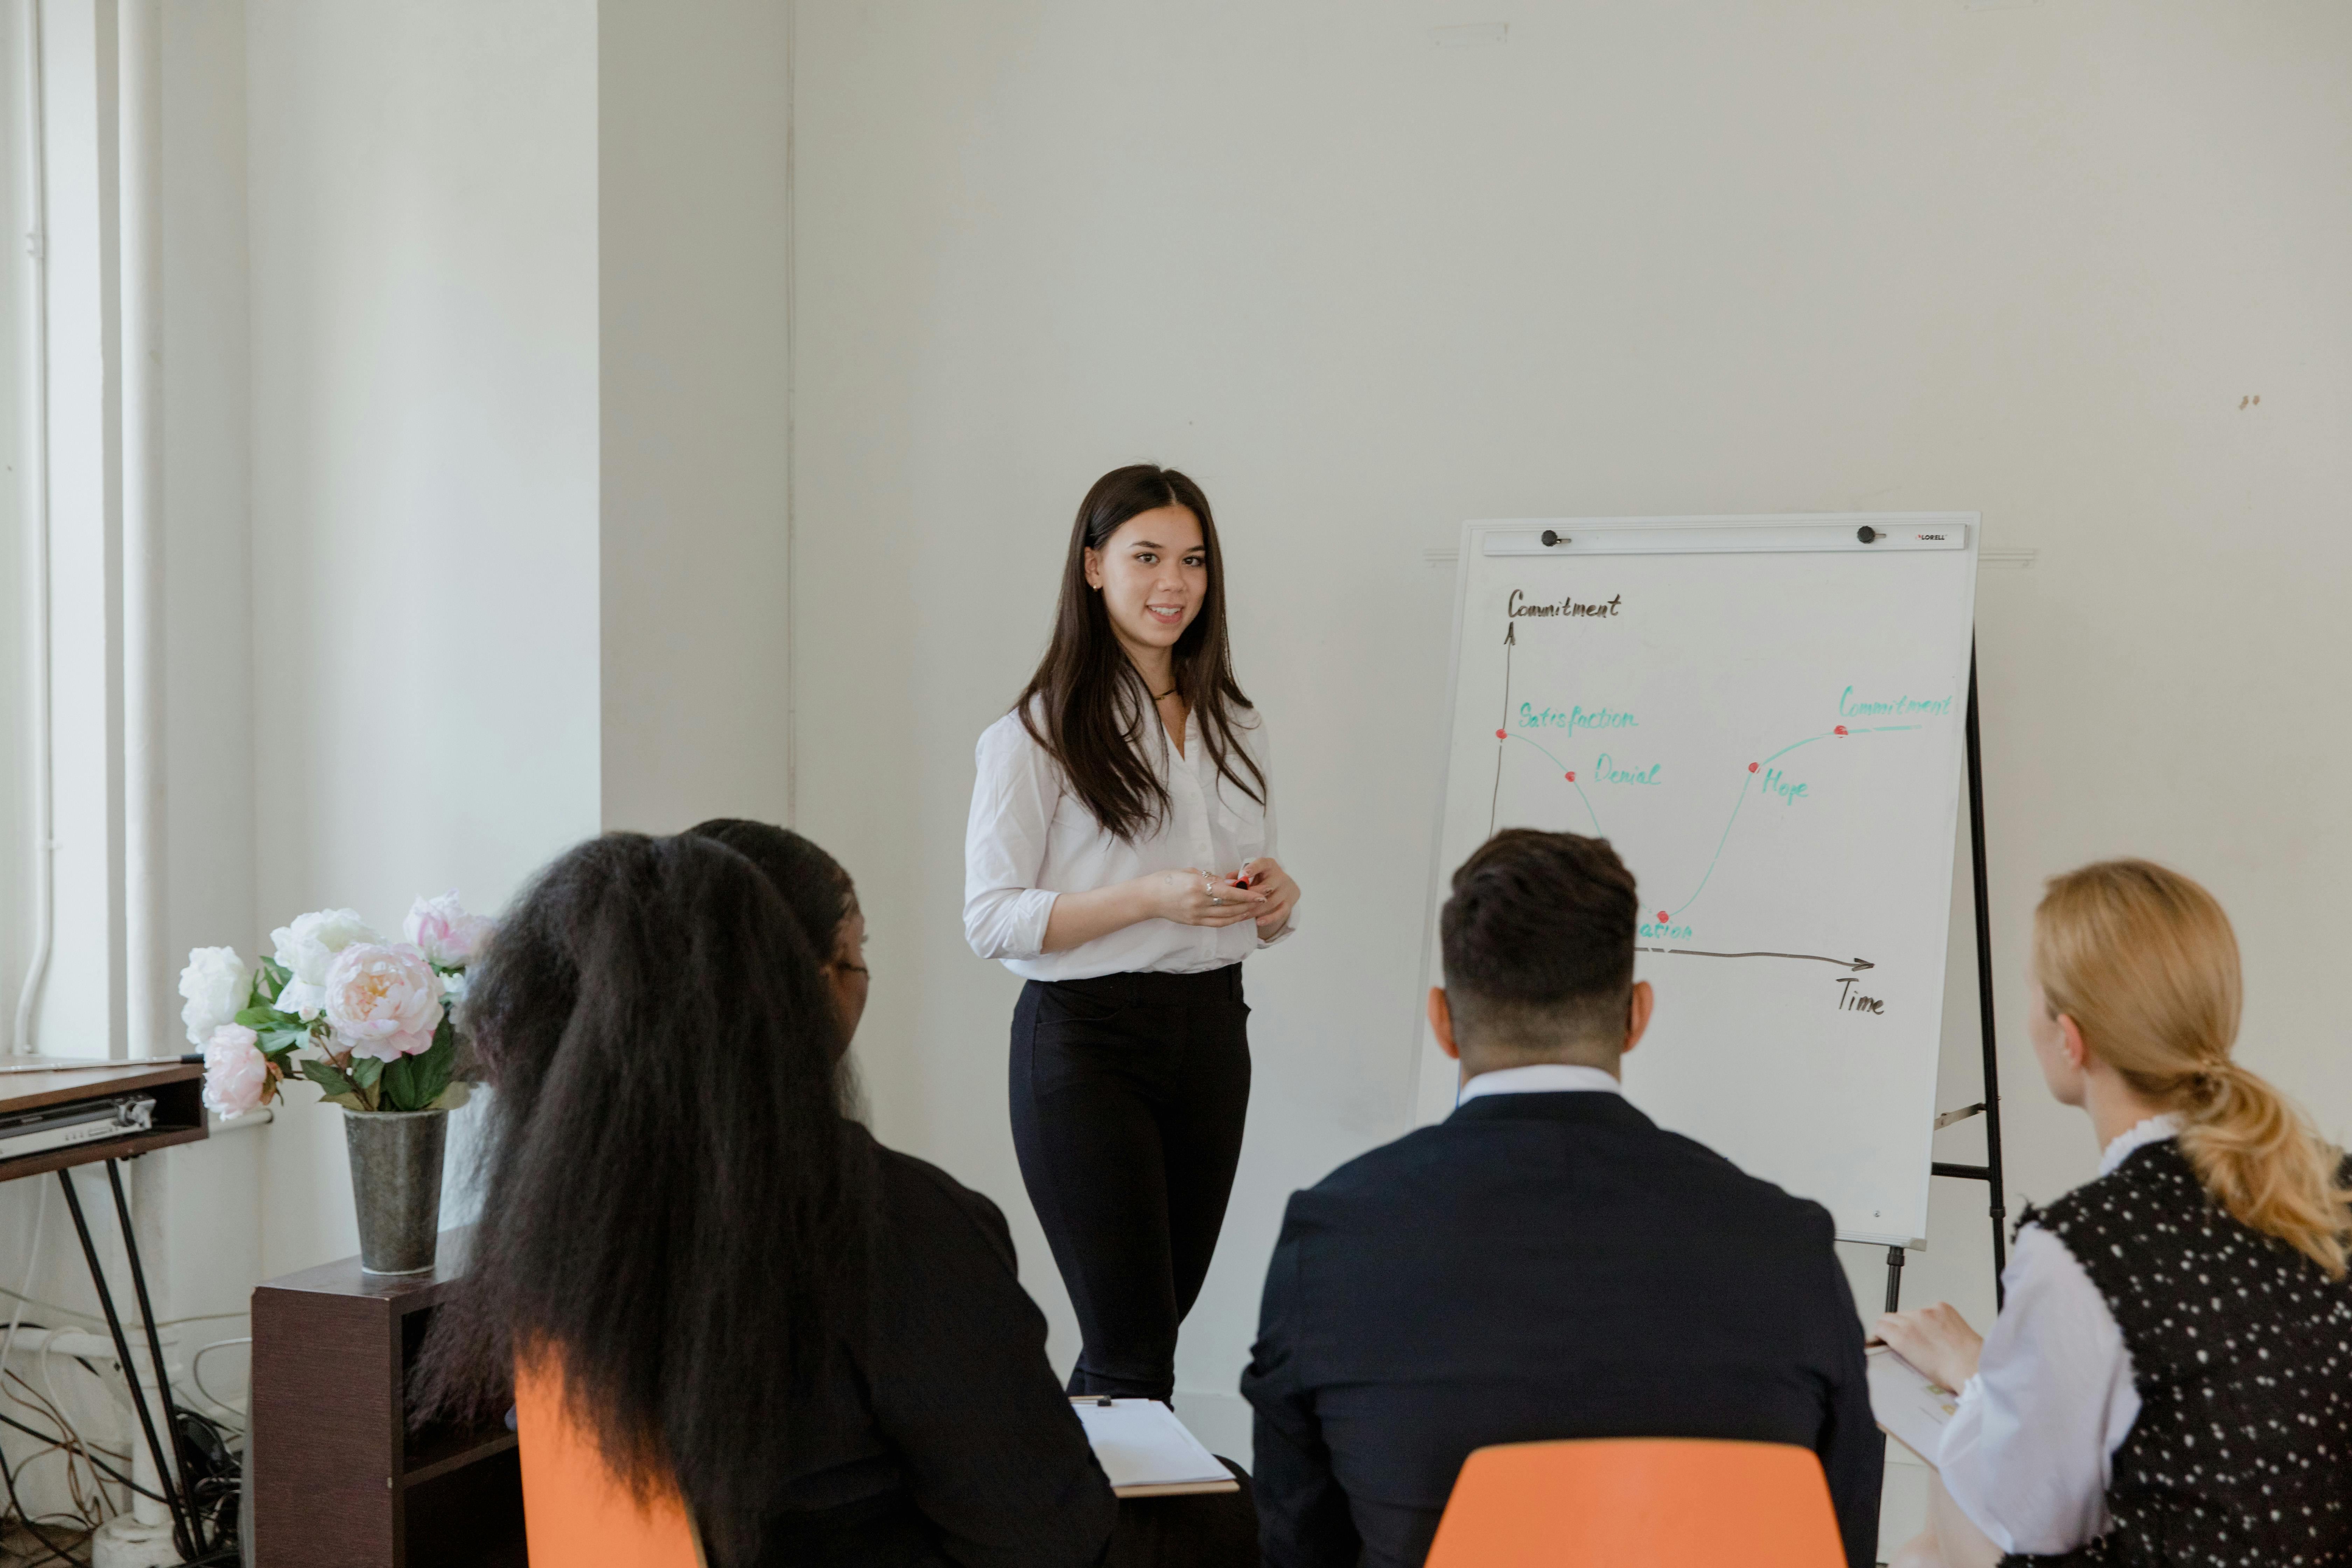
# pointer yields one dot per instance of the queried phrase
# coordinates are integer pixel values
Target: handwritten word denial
(1566, 607)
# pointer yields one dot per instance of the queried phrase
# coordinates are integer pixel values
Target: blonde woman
(2169, 1382)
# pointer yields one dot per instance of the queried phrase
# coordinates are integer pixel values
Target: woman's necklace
(1163, 696)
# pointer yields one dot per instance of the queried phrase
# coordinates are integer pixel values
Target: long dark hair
(1088, 703)
(673, 1208)
(815, 885)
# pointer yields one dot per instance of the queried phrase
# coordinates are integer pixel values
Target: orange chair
(576, 1512)
(1660, 1502)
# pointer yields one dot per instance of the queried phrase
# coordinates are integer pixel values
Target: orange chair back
(1662, 1503)
(576, 1512)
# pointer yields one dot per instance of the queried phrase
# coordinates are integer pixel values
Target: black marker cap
(1550, 538)
(1865, 534)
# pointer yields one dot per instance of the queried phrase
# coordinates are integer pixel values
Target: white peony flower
(453, 993)
(450, 938)
(308, 948)
(384, 1001)
(215, 984)
(237, 1075)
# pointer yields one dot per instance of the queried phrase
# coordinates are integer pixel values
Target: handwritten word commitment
(1850, 708)
(1565, 607)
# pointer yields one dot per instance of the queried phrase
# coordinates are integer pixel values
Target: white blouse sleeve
(1264, 756)
(1013, 801)
(2027, 1454)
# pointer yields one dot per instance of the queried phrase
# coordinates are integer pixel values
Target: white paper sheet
(1910, 1406)
(1142, 1447)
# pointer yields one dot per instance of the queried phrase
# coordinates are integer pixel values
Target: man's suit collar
(1570, 1105)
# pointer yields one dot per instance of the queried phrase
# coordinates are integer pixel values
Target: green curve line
(1730, 822)
(1572, 784)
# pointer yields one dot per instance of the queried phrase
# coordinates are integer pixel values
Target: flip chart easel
(1764, 715)
(1989, 1172)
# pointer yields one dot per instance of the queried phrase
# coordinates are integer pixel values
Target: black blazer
(1539, 1266)
(946, 1439)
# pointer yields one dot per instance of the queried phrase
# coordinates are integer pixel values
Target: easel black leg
(168, 1473)
(1984, 988)
(1894, 1279)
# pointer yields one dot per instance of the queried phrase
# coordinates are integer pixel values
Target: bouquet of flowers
(381, 1017)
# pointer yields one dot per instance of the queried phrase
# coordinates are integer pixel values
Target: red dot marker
(1841, 729)
(1662, 917)
(1498, 734)
(1753, 766)
(1572, 778)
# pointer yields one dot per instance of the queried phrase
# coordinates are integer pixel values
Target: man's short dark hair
(1538, 947)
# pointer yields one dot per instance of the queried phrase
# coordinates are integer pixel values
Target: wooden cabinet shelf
(338, 1481)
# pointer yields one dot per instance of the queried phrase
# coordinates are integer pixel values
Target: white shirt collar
(2155, 1130)
(1539, 1078)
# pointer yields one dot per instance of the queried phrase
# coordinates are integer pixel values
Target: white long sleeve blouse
(1030, 839)
(2028, 1453)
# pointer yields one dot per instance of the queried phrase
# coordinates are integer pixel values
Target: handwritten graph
(1767, 726)
(1504, 735)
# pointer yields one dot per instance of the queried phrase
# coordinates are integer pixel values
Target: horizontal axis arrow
(1856, 965)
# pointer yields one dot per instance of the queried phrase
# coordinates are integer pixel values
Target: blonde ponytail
(2144, 962)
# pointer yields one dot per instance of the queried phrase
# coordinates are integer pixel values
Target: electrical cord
(196, 1374)
(55, 1309)
(212, 1496)
(32, 1526)
(54, 1443)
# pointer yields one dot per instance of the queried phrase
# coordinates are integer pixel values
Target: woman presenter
(1120, 859)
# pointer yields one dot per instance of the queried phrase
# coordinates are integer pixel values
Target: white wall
(693, 242)
(421, 186)
(1639, 260)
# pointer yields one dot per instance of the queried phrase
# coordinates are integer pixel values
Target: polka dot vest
(2242, 1352)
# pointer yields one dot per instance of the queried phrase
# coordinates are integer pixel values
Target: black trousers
(1128, 1095)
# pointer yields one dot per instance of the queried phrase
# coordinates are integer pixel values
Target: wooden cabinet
(337, 1481)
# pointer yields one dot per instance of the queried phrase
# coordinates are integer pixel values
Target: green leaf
(451, 1098)
(274, 1041)
(366, 1070)
(269, 983)
(414, 1083)
(327, 1076)
(348, 1102)
(257, 1017)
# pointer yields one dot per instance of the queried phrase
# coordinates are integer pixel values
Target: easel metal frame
(1989, 1172)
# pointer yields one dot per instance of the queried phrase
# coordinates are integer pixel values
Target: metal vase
(396, 1185)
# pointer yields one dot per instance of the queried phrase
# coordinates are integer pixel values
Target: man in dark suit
(1547, 1262)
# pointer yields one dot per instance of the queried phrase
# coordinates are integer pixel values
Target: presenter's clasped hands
(1266, 876)
(1261, 890)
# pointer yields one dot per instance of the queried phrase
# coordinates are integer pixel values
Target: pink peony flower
(237, 1075)
(451, 938)
(382, 1000)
